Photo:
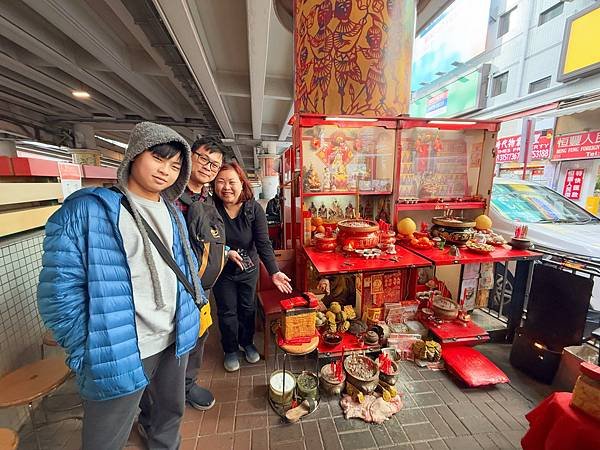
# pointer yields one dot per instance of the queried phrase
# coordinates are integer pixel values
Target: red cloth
(555, 425)
(472, 367)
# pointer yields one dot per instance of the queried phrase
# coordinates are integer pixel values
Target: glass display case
(439, 165)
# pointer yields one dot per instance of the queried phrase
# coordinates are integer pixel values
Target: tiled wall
(21, 327)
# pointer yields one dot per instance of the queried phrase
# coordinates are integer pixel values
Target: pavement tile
(252, 406)
(250, 422)
(406, 446)
(501, 441)
(453, 422)
(244, 381)
(485, 441)
(322, 412)
(438, 444)
(344, 425)
(514, 437)
(408, 401)
(480, 395)
(499, 417)
(518, 409)
(395, 431)
(210, 421)
(413, 373)
(421, 446)
(260, 439)
(242, 440)
(189, 430)
(438, 422)
(357, 440)
(420, 432)
(216, 442)
(223, 395)
(192, 414)
(226, 418)
(295, 445)
(410, 416)
(329, 435)
(442, 392)
(427, 399)
(285, 433)
(456, 392)
(478, 424)
(253, 370)
(464, 409)
(312, 435)
(381, 435)
(418, 386)
(434, 374)
(463, 443)
(186, 444)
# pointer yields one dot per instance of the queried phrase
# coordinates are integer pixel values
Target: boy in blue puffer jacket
(125, 321)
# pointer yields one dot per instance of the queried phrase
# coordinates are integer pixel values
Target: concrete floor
(438, 412)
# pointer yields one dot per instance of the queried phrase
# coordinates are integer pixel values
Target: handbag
(205, 316)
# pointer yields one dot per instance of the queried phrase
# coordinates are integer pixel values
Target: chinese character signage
(508, 149)
(573, 184)
(584, 145)
(70, 177)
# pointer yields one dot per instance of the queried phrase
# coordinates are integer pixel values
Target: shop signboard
(585, 145)
(579, 57)
(508, 149)
(446, 42)
(455, 98)
(573, 184)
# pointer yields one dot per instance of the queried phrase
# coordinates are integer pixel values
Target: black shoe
(200, 398)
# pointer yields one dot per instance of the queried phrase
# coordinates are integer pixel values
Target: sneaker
(231, 362)
(251, 352)
(200, 398)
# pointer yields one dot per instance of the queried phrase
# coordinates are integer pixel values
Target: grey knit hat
(143, 136)
(147, 134)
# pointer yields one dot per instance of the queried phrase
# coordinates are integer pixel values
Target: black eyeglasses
(204, 160)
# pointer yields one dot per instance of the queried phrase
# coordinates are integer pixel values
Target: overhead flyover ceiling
(203, 67)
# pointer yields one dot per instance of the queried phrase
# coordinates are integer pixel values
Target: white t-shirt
(155, 327)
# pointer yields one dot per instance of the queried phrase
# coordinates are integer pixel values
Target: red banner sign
(573, 184)
(584, 145)
(508, 149)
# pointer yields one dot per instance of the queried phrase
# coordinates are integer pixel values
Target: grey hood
(145, 135)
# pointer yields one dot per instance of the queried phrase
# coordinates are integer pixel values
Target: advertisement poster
(446, 42)
(70, 177)
(573, 184)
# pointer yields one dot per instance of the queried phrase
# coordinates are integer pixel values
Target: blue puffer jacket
(85, 296)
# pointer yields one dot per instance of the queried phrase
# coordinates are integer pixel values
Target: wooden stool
(32, 382)
(48, 341)
(9, 440)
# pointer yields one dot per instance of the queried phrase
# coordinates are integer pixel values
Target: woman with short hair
(247, 236)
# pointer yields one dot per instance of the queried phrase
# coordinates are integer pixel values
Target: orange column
(353, 56)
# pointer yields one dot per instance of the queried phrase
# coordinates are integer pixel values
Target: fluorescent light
(451, 122)
(351, 119)
(111, 141)
(81, 94)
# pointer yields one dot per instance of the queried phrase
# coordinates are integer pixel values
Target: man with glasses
(207, 159)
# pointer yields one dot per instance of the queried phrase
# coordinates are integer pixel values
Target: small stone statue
(326, 179)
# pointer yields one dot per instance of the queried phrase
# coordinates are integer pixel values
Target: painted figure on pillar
(355, 57)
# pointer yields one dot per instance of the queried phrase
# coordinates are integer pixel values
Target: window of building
(499, 84)
(551, 13)
(540, 84)
(504, 23)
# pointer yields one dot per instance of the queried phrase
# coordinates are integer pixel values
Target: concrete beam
(79, 23)
(259, 20)
(238, 85)
(285, 128)
(182, 19)
(25, 33)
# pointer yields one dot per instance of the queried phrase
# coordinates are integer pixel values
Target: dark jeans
(106, 424)
(194, 362)
(236, 308)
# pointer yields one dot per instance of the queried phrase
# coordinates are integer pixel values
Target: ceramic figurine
(326, 179)
(322, 210)
(312, 180)
(313, 209)
(349, 213)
